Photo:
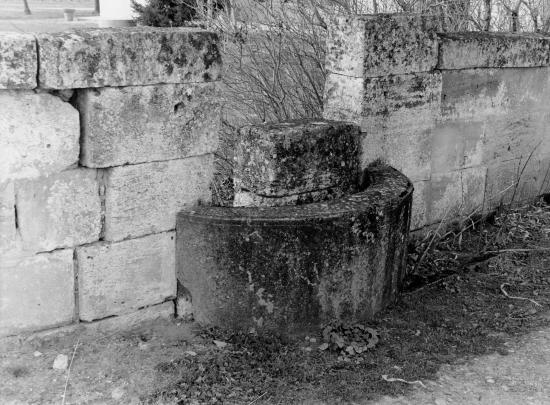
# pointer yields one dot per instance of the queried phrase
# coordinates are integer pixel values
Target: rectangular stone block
(456, 194)
(407, 150)
(296, 158)
(36, 292)
(466, 50)
(518, 134)
(343, 98)
(118, 278)
(420, 206)
(63, 210)
(127, 57)
(383, 44)
(516, 181)
(7, 216)
(144, 199)
(39, 134)
(18, 61)
(479, 93)
(124, 125)
(457, 144)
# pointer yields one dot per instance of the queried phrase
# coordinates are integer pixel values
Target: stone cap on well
(296, 157)
(108, 58)
(465, 50)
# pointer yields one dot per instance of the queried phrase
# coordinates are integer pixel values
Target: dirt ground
(473, 326)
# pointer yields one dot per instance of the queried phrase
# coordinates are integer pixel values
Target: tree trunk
(488, 12)
(96, 7)
(26, 5)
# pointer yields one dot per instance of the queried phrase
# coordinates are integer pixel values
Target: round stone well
(293, 268)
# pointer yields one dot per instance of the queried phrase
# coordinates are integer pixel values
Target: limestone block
(475, 94)
(343, 98)
(144, 199)
(516, 181)
(7, 216)
(128, 322)
(36, 292)
(39, 134)
(148, 123)
(420, 205)
(18, 61)
(418, 95)
(118, 278)
(456, 194)
(297, 157)
(383, 44)
(457, 144)
(63, 210)
(127, 57)
(467, 50)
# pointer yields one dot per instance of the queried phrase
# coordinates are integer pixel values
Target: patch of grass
(18, 371)
(453, 308)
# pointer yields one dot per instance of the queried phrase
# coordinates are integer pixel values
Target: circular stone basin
(291, 269)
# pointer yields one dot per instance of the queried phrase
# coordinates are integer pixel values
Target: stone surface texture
(383, 44)
(39, 134)
(288, 269)
(7, 215)
(466, 50)
(299, 158)
(118, 278)
(36, 292)
(18, 61)
(60, 211)
(140, 124)
(127, 57)
(144, 199)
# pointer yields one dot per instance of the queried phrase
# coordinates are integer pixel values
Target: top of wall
(108, 58)
(395, 44)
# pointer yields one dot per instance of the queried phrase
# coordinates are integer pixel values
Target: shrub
(165, 13)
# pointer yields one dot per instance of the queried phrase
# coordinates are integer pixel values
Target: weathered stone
(297, 158)
(63, 210)
(457, 144)
(418, 94)
(516, 181)
(148, 123)
(38, 134)
(479, 93)
(343, 98)
(465, 50)
(419, 214)
(144, 199)
(36, 292)
(118, 278)
(456, 194)
(292, 268)
(18, 61)
(7, 216)
(383, 44)
(127, 322)
(127, 57)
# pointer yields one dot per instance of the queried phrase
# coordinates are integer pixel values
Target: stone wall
(104, 136)
(465, 115)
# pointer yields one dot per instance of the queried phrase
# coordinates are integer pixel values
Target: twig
(517, 298)
(538, 249)
(257, 399)
(69, 372)
(388, 379)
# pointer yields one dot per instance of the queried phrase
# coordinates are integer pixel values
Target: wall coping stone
(465, 50)
(113, 57)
